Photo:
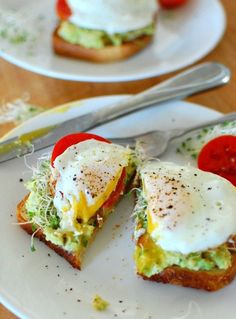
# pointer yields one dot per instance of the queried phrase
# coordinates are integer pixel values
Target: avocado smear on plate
(99, 304)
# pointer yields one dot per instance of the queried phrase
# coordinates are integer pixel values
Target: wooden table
(50, 92)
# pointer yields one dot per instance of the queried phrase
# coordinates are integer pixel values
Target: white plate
(183, 37)
(31, 290)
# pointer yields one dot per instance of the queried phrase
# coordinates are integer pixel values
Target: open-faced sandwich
(104, 30)
(185, 226)
(73, 192)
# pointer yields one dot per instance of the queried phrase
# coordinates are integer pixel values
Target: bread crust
(73, 259)
(109, 53)
(211, 280)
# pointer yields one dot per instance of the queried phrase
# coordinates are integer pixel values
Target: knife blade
(197, 79)
(40, 139)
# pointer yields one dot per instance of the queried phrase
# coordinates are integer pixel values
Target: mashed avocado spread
(98, 39)
(151, 259)
(99, 304)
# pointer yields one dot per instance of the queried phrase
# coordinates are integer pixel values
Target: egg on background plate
(112, 16)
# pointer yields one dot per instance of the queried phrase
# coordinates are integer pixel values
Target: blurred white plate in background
(183, 36)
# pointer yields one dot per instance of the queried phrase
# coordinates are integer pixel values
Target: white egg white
(85, 175)
(113, 16)
(188, 210)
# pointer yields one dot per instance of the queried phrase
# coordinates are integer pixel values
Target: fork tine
(152, 143)
(130, 140)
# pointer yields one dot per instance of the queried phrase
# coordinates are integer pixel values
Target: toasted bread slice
(73, 259)
(110, 53)
(211, 280)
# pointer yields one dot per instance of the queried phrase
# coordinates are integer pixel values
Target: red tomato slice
(115, 195)
(72, 139)
(63, 10)
(219, 156)
(169, 4)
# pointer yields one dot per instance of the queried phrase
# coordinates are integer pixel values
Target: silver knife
(196, 79)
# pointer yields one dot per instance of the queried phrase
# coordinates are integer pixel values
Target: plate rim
(85, 100)
(58, 107)
(122, 78)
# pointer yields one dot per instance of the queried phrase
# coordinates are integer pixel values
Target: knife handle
(199, 78)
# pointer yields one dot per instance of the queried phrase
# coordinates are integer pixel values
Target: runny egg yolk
(151, 223)
(84, 211)
(86, 174)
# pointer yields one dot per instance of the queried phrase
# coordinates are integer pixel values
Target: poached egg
(112, 16)
(188, 210)
(86, 174)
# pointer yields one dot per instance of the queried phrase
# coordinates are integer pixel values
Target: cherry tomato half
(72, 139)
(63, 10)
(169, 4)
(219, 156)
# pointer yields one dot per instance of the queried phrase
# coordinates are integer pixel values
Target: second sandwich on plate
(104, 30)
(185, 226)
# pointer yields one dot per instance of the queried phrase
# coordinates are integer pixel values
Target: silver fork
(155, 143)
